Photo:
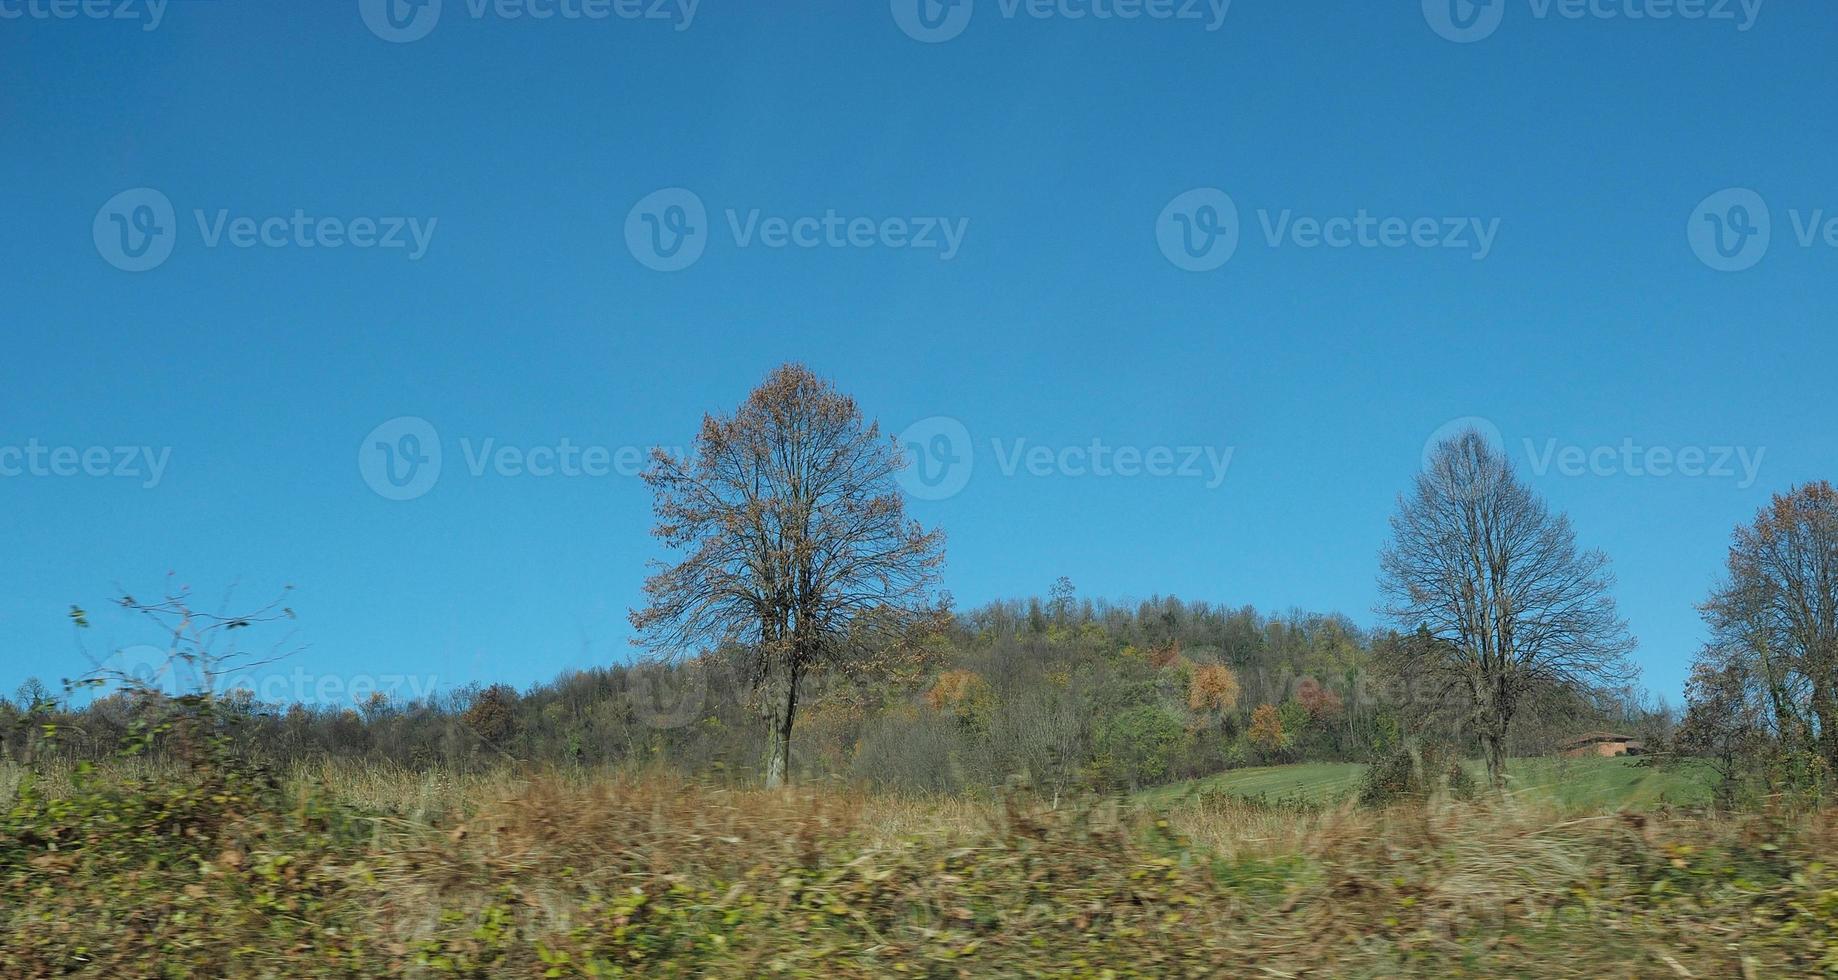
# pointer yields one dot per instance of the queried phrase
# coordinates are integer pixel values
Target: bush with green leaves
(1137, 746)
(1395, 778)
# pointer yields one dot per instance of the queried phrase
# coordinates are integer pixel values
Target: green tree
(1136, 745)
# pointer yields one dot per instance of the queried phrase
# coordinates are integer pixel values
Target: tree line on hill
(1069, 694)
(799, 633)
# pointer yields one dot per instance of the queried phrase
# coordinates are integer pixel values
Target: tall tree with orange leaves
(798, 545)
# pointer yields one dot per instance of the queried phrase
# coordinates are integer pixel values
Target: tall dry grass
(363, 871)
(1347, 887)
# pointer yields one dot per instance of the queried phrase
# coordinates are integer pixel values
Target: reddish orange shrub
(1213, 688)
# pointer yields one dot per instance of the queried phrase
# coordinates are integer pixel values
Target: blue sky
(254, 362)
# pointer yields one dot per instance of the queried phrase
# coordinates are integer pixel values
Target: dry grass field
(359, 872)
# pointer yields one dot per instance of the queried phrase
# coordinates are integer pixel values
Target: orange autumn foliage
(1213, 688)
(1266, 728)
(952, 688)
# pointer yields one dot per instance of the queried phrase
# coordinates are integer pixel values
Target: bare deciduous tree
(180, 684)
(199, 649)
(1482, 564)
(798, 545)
(1775, 619)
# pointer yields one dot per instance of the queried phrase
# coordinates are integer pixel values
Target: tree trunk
(1501, 703)
(782, 708)
(1496, 759)
(1825, 708)
(1792, 728)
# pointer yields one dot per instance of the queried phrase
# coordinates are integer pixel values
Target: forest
(1072, 694)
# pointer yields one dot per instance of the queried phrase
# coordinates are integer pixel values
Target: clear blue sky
(1059, 320)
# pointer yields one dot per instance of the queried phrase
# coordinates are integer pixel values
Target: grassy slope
(1317, 781)
(1579, 784)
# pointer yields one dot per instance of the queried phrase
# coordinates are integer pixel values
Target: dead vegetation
(355, 872)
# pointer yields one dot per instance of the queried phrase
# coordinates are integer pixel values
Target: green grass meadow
(1587, 784)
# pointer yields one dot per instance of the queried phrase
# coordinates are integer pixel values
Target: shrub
(1136, 745)
(909, 751)
(492, 713)
(1462, 784)
(964, 695)
(1395, 778)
